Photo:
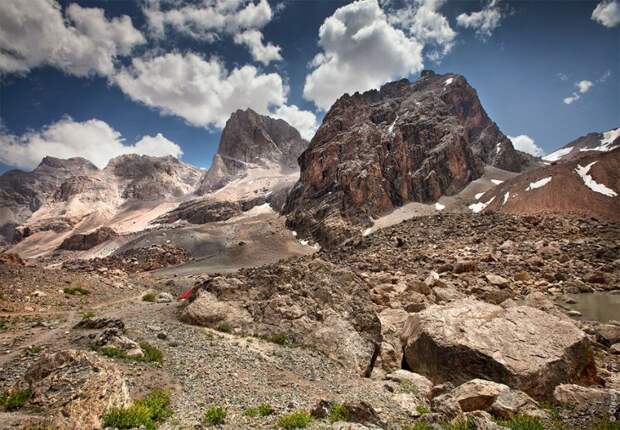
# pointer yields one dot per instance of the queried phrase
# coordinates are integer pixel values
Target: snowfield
(583, 171)
(538, 184)
(479, 207)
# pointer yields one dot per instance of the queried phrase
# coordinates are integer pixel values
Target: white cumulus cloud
(304, 121)
(485, 21)
(361, 50)
(198, 90)
(607, 13)
(94, 140)
(35, 33)
(526, 144)
(253, 39)
(208, 20)
(582, 88)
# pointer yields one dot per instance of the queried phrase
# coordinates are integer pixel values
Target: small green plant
(606, 425)
(419, 425)
(408, 387)
(33, 350)
(87, 314)
(149, 412)
(459, 424)
(280, 339)
(522, 422)
(338, 412)
(422, 409)
(14, 400)
(261, 410)
(151, 353)
(224, 328)
(295, 420)
(148, 297)
(76, 291)
(113, 352)
(214, 416)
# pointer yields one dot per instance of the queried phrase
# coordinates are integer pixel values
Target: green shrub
(408, 387)
(295, 420)
(422, 409)
(606, 425)
(279, 338)
(459, 424)
(215, 415)
(148, 297)
(88, 314)
(419, 425)
(522, 422)
(224, 328)
(151, 353)
(76, 291)
(113, 352)
(33, 350)
(262, 410)
(338, 412)
(149, 412)
(14, 400)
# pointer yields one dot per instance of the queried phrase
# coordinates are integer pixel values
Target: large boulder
(602, 403)
(520, 346)
(75, 388)
(309, 300)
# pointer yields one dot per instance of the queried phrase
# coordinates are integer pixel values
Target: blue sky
(101, 78)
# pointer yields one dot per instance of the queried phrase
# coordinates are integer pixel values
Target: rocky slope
(405, 142)
(586, 183)
(248, 140)
(591, 142)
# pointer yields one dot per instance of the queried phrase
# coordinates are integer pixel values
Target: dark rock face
(380, 149)
(82, 242)
(252, 139)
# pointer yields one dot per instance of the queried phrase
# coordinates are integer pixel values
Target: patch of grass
(522, 422)
(459, 424)
(88, 314)
(149, 412)
(33, 350)
(419, 425)
(295, 420)
(14, 400)
(224, 328)
(149, 297)
(338, 412)
(76, 291)
(261, 410)
(113, 352)
(423, 409)
(409, 387)
(151, 353)
(214, 416)
(280, 339)
(606, 425)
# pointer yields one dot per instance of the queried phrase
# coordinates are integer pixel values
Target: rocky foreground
(441, 322)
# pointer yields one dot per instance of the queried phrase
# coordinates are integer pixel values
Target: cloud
(604, 77)
(485, 21)
(207, 20)
(582, 88)
(562, 77)
(202, 91)
(304, 121)
(526, 144)
(94, 140)
(360, 50)
(253, 39)
(34, 33)
(607, 13)
(422, 20)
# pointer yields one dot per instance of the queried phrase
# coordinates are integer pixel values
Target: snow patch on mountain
(480, 206)
(583, 172)
(555, 156)
(538, 184)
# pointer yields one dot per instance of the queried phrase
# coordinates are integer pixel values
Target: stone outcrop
(75, 388)
(250, 139)
(405, 142)
(520, 346)
(82, 242)
(307, 301)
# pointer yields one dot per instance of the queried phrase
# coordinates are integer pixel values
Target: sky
(99, 79)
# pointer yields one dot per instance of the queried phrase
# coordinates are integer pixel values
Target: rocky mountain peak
(77, 165)
(407, 141)
(250, 139)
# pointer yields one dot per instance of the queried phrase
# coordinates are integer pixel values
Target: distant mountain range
(408, 142)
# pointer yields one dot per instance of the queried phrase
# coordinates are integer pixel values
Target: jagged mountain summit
(252, 140)
(408, 141)
(591, 142)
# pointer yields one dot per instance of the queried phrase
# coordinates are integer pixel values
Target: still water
(601, 307)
